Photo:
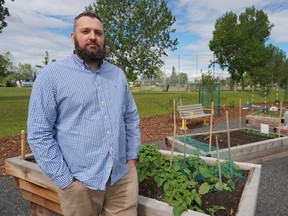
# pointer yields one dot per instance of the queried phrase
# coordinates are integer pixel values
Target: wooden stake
(240, 115)
(211, 123)
(23, 145)
(219, 164)
(228, 137)
(280, 120)
(185, 140)
(174, 133)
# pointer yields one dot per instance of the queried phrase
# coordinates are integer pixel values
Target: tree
(275, 65)
(159, 76)
(183, 79)
(208, 80)
(46, 60)
(5, 64)
(4, 12)
(239, 43)
(173, 78)
(22, 72)
(137, 33)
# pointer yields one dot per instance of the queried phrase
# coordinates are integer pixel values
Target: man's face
(88, 38)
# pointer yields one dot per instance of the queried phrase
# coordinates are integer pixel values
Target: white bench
(193, 111)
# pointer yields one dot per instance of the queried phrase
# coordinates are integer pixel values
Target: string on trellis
(265, 101)
(253, 95)
(277, 95)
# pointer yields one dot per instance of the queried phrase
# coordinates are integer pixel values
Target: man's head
(88, 37)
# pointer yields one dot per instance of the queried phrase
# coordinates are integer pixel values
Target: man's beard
(88, 56)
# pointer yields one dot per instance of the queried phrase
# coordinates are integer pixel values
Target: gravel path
(272, 197)
(11, 201)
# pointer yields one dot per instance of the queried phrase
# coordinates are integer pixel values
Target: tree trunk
(235, 85)
(231, 85)
(243, 83)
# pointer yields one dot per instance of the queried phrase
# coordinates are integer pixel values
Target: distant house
(28, 82)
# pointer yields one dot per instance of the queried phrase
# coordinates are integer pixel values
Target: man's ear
(72, 37)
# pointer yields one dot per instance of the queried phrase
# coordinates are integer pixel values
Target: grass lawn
(14, 104)
(13, 110)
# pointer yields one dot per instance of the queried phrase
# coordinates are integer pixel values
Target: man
(83, 127)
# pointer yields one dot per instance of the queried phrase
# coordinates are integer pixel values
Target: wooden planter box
(41, 191)
(256, 121)
(252, 152)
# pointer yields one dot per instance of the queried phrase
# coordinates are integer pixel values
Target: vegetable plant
(186, 181)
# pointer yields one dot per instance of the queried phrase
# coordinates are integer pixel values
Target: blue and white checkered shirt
(83, 124)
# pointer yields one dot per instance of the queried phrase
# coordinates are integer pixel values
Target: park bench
(194, 111)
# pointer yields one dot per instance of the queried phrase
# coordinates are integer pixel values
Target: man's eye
(98, 33)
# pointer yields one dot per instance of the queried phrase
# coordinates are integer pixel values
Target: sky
(36, 26)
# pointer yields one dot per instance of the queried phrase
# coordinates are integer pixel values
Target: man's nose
(92, 36)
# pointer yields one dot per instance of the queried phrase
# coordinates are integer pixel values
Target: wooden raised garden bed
(256, 120)
(251, 152)
(41, 191)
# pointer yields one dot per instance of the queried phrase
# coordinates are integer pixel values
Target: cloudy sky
(36, 26)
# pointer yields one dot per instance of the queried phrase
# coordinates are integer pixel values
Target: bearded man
(83, 127)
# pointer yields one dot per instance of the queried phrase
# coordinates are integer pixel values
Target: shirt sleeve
(132, 121)
(42, 114)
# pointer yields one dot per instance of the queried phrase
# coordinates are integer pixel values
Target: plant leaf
(204, 188)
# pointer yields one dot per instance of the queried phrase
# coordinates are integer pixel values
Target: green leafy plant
(232, 103)
(258, 133)
(186, 181)
(214, 209)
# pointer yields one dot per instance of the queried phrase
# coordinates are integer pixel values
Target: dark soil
(230, 200)
(236, 138)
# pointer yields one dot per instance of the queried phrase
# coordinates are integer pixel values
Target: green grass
(14, 104)
(13, 110)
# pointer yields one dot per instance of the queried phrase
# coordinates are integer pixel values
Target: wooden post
(280, 120)
(219, 164)
(228, 137)
(185, 140)
(23, 145)
(174, 133)
(211, 123)
(240, 115)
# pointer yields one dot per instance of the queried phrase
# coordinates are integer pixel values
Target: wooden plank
(55, 207)
(258, 120)
(153, 207)
(190, 106)
(283, 131)
(16, 181)
(39, 191)
(248, 201)
(192, 111)
(38, 210)
(28, 171)
(268, 157)
(194, 116)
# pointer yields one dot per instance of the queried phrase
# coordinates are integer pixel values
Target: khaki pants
(117, 200)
